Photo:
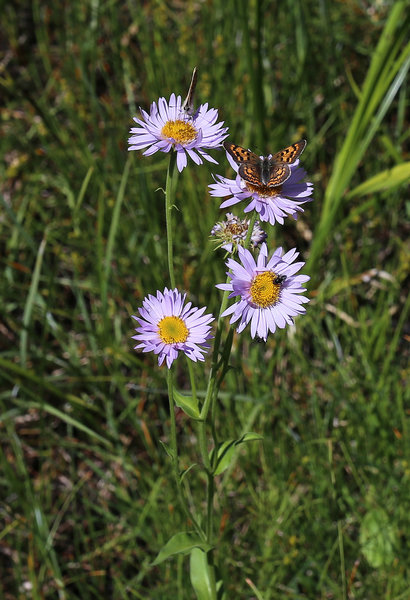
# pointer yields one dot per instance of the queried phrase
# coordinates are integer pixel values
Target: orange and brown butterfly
(265, 171)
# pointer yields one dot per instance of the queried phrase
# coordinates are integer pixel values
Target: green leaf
(202, 575)
(385, 180)
(181, 543)
(226, 450)
(167, 449)
(186, 471)
(188, 404)
(377, 538)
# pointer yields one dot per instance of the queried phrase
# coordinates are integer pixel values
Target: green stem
(214, 364)
(172, 176)
(192, 379)
(210, 509)
(250, 229)
(203, 446)
(201, 424)
(174, 456)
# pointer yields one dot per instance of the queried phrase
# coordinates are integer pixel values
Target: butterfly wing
(270, 172)
(290, 154)
(249, 163)
(279, 172)
(240, 154)
(188, 104)
(251, 171)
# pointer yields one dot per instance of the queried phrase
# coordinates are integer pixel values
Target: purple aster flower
(233, 231)
(168, 125)
(167, 327)
(271, 203)
(268, 290)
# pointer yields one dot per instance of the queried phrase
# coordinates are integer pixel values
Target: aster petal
(163, 110)
(208, 157)
(277, 315)
(181, 160)
(229, 310)
(224, 286)
(247, 259)
(197, 160)
(231, 161)
(142, 139)
(230, 202)
(255, 323)
(150, 151)
(292, 269)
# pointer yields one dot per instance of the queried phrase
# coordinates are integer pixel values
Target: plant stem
(214, 364)
(172, 176)
(174, 456)
(210, 508)
(250, 229)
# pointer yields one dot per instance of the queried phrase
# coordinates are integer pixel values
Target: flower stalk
(172, 176)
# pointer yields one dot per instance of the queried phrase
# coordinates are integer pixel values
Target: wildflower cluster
(268, 290)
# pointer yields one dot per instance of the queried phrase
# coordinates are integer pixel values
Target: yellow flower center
(264, 190)
(182, 132)
(265, 290)
(172, 330)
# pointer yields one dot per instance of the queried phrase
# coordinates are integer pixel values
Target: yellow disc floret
(236, 229)
(182, 132)
(172, 330)
(264, 289)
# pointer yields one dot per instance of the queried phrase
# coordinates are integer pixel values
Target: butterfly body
(265, 171)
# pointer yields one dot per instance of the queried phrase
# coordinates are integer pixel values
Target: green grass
(321, 508)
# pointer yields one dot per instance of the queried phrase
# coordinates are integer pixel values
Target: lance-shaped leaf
(202, 575)
(181, 543)
(188, 404)
(385, 180)
(226, 450)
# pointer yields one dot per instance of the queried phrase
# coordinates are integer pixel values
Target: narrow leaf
(167, 449)
(186, 471)
(226, 450)
(181, 543)
(187, 404)
(202, 575)
(385, 180)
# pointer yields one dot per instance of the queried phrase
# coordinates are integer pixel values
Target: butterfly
(265, 171)
(188, 104)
